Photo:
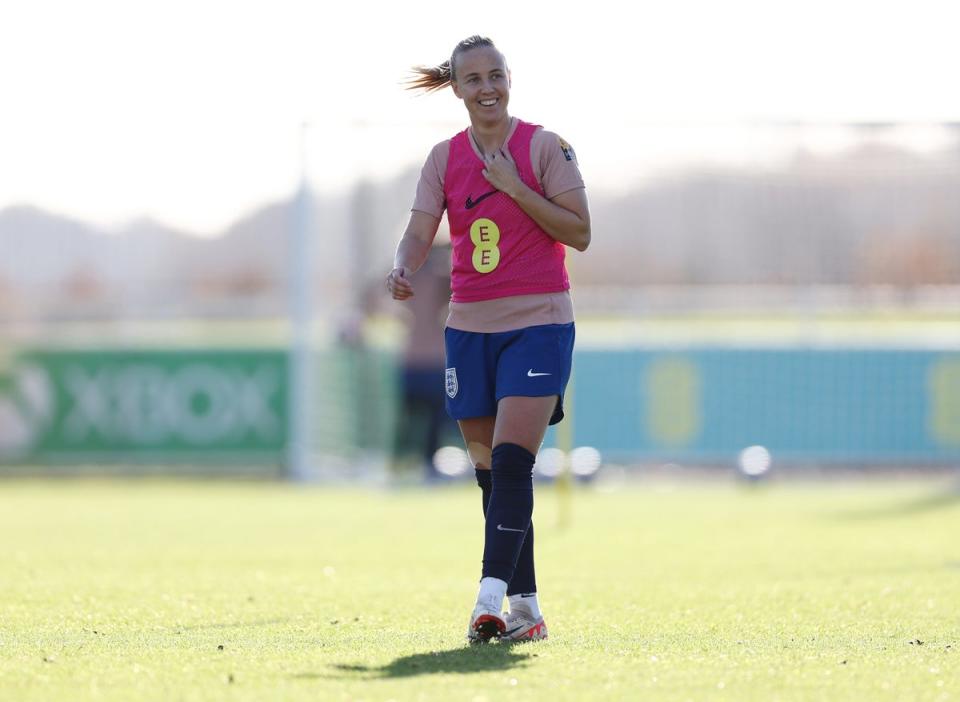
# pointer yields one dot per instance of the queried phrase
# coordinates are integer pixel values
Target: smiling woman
(514, 199)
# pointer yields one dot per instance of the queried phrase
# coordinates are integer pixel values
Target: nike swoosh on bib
(471, 203)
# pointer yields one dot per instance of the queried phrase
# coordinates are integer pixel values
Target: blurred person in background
(515, 199)
(423, 417)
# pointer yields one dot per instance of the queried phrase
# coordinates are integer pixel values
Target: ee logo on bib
(485, 235)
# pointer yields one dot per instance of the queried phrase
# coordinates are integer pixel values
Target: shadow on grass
(463, 659)
(950, 497)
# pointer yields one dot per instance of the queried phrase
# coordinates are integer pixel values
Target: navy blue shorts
(529, 362)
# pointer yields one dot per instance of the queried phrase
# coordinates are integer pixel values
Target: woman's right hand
(399, 287)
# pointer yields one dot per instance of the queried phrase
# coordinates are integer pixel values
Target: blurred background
(199, 203)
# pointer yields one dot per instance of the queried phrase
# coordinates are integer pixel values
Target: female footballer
(514, 199)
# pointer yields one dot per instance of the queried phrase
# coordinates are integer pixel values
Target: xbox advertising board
(159, 406)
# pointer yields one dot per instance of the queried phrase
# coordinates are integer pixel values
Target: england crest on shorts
(452, 385)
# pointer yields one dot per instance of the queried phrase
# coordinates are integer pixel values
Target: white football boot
(521, 625)
(485, 623)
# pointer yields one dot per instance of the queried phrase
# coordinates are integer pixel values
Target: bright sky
(189, 111)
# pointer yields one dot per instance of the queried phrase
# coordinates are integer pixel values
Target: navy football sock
(485, 481)
(524, 579)
(509, 511)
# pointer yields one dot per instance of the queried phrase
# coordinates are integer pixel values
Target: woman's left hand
(501, 172)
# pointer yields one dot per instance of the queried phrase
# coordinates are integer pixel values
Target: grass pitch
(152, 590)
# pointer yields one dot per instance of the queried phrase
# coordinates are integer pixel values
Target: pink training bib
(498, 250)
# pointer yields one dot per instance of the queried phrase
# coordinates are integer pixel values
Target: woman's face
(483, 83)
